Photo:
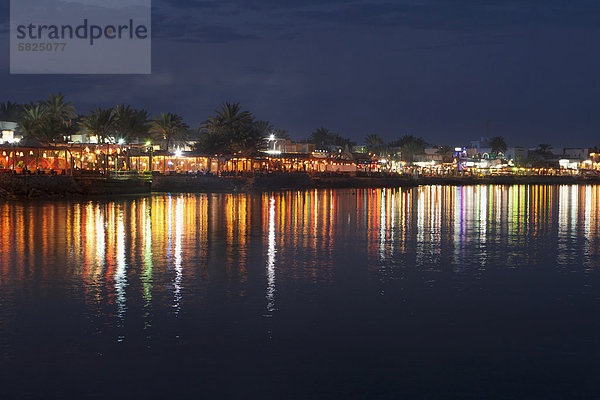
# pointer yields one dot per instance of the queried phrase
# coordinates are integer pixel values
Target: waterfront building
(9, 133)
(479, 147)
(517, 153)
(569, 163)
(576, 153)
(282, 146)
(430, 156)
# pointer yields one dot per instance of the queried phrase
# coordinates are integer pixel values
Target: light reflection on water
(271, 259)
(146, 239)
(162, 270)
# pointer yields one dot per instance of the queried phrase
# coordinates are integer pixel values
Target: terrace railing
(130, 175)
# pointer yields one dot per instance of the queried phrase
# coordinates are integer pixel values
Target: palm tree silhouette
(169, 127)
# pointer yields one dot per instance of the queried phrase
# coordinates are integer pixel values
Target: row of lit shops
(481, 169)
(117, 158)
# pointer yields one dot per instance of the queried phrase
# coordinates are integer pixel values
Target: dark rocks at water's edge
(63, 186)
(508, 180)
(22, 186)
(301, 181)
(269, 182)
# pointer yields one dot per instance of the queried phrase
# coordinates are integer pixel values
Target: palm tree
(10, 111)
(60, 109)
(446, 152)
(130, 123)
(234, 130)
(406, 139)
(31, 120)
(51, 130)
(544, 148)
(282, 134)
(410, 149)
(28, 127)
(321, 138)
(228, 117)
(100, 123)
(498, 144)
(169, 127)
(374, 142)
(211, 144)
(49, 120)
(265, 128)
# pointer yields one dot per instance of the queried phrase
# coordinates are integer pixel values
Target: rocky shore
(61, 186)
(64, 186)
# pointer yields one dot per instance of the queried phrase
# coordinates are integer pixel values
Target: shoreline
(61, 186)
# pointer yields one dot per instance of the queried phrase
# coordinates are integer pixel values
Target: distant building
(280, 146)
(575, 153)
(569, 163)
(9, 133)
(430, 155)
(296, 147)
(275, 145)
(83, 138)
(516, 153)
(480, 147)
(595, 157)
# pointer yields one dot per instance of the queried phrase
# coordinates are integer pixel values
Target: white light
(273, 152)
(272, 137)
(178, 153)
(121, 141)
(457, 149)
(271, 252)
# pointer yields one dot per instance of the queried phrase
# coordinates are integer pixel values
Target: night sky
(436, 69)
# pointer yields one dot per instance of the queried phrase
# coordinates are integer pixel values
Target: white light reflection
(382, 238)
(393, 224)
(100, 238)
(458, 219)
(435, 222)
(567, 220)
(148, 265)
(483, 220)
(120, 275)
(382, 227)
(420, 245)
(271, 251)
(177, 255)
(586, 226)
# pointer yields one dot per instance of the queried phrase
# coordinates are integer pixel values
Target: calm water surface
(433, 292)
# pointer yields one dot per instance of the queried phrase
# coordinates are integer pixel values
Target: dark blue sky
(437, 69)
